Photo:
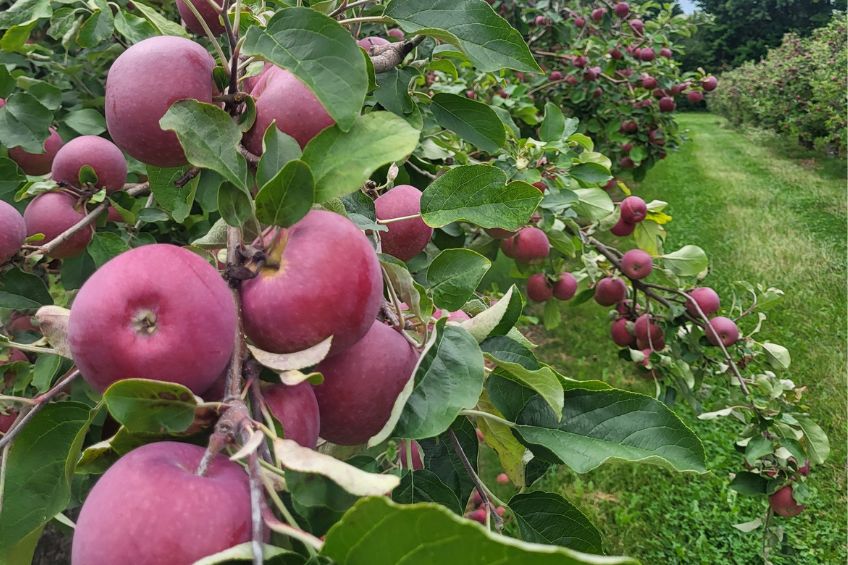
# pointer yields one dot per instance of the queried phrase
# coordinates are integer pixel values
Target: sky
(688, 6)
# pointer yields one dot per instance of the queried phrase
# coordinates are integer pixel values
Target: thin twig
(40, 402)
(481, 488)
(234, 374)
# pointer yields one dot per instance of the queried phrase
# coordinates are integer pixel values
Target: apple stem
(349, 5)
(481, 488)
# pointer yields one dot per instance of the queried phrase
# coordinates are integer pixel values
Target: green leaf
(279, 149)
(478, 194)
(377, 531)
(132, 27)
(39, 468)
(163, 26)
(599, 425)
(778, 355)
(393, 90)
(749, 484)
(649, 237)
(441, 459)
(498, 319)
(321, 53)
(44, 370)
(818, 446)
(449, 379)
(499, 437)
(24, 122)
(454, 275)
(209, 137)
(401, 279)
(106, 245)
(548, 518)
(318, 500)
(472, 25)
(593, 203)
(234, 205)
(144, 405)
(543, 380)
(86, 121)
(174, 200)
(425, 486)
(553, 126)
(287, 197)
(23, 291)
(688, 261)
(342, 161)
(97, 27)
(25, 11)
(590, 173)
(11, 178)
(473, 121)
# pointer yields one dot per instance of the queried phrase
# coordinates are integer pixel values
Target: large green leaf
(478, 194)
(393, 90)
(454, 275)
(25, 11)
(688, 261)
(39, 468)
(158, 21)
(553, 126)
(341, 161)
(599, 425)
(473, 121)
(498, 319)
(546, 517)
(321, 53)
(24, 122)
(425, 486)
(209, 137)
(472, 25)
(379, 532)
(543, 380)
(448, 380)
(287, 197)
(176, 201)
(143, 405)
(278, 149)
(22, 291)
(593, 203)
(441, 459)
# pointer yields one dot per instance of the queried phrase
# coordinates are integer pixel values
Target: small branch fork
(387, 57)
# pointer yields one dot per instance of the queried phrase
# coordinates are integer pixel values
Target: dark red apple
(322, 279)
(648, 81)
(406, 238)
(722, 329)
(410, 449)
(151, 508)
(709, 83)
(666, 52)
(694, 96)
(51, 214)
(554, 76)
(37, 163)
(616, 54)
(667, 104)
(592, 74)
(645, 329)
(633, 209)
(626, 163)
(530, 245)
(100, 154)
(580, 61)
(647, 54)
(620, 334)
(621, 9)
(637, 264)
(783, 503)
(637, 25)
(622, 228)
(538, 288)
(209, 13)
(656, 137)
(580, 21)
(13, 231)
(361, 385)
(706, 298)
(629, 126)
(565, 287)
(296, 408)
(598, 14)
(610, 290)
(155, 312)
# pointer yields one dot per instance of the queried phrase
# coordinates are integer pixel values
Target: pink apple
(783, 503)
(322, 279)
(37, 163)
(647, 54)
(621, 9)
(622, 228)
(633, 209)
(13, 231)
(502, 479)
(722, 329)
(296, 408)
(98, 153)
(645, 329)
(648, 82)
(413, 448)
(666, 52)
(51, 214)
(610, 290)
(637, 264)
(209, 13)
(478, 515)
(555, 76)
(372, 41)
(151, 508)
(362, 383)
(709, 83)
(406, 238)
(530, 245)
(620, 334)
(598, 14)
(694, 96)
(538, 288)
(565, 287)
(155, 312)
(706, 298)
(667, 104)
(396, 33)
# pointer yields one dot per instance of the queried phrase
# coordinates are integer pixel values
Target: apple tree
(245, 297)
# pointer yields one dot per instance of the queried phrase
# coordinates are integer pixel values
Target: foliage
(798, 89)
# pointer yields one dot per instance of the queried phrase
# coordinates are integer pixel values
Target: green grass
(766, 212)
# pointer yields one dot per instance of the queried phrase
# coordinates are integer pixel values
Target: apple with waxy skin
(783, 503)
(362, 383)
(667, 104)
(633, 209)
(51, 214)
(565, 287)
(13, 231)
(37, 163)
(621, 9)
(538, 288)
(296, 408)
(100, 154)
(151, 508)
(694, 96)
(637, 264)
(622, 228)
(322, 278)
(209, 13)
(610, 290)
(155, 312)
(530, 245)
(722, 330)
(709, 83)
(637, 25)
(645, 329)
(182, 70)
(621, 336)
(598, 14)
(281, 96)
(706, 298)
(405, 238)
(372, 41)
(407, 448)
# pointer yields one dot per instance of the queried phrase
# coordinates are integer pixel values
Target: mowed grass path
(765, 212)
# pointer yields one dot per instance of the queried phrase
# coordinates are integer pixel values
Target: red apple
(694, 96)
(478, 515)
(626, 163)
(565, 287)
(151, 508)
(52, 213)
(648, 82)
(580, 61)
(722, 329)
(555, 76)
(580, 21)
(155, 312)
(322, 279)
(396, 33)
(296, 408)
(637, 264)
(13, 231)
(181, 69)
(209, 13)
(616, 54)
(628, 126)
(538, 288)
(666, 52)
(633, 209)
(100, 154)
(406, 238)
(530, 245)
(622, 228)
(372, 41)
(706, 298)
(598, 14)
(621, 9)
(783, 503)
(709, 83)
(413, 448)
(362, 383)
(667, 104)
(502, 479)
(647, 54)
(610, 290)
(637, 26)
(646, 330)
(37, 163)
(620, 335)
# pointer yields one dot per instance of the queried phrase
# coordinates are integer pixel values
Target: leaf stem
(211, 36)
(367, 20)
(399, 219)
(486, 415)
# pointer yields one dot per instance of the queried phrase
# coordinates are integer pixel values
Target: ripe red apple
(502, 479)
(98, 153)
(530, 245)
(478, 515)
(538, 288)
(633, 209)
(417, 454)
(209, 13)
(296, 408)
(722, 329)
(580, 21)
(152, 508)
(322, 279)
(626, 147)
(706, 298)
(637, 25)
(616, 54)
(155, 312)
(20, 323)
(622, 228)
(626, 163)
(362, 383)
(565, 287)
(647, 54)
(667, 104)
(694, 96)
(621, 9)
(611, 184)
(372, 41)
(620, 335)
(182, 69)
(397, 33)
(554, 76)
(541, 186)
(645, 328)
(592, 74)
(406, 238)
(282, 97)
(648, 82)
(709, 83)
(571, 80)
(637, 264)
(13, 231)
(37, 163)
(113, 215)
(657, 344)
(666, 52)
(783, 503)
(539, 21)
(629, 126)
(51, 213)
(656, 137)
(598, 92)
(610, 290)
(580, 61)
(598, 14)
(500, 511)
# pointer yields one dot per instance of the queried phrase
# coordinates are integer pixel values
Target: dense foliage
(237, 243)
(798, 89)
